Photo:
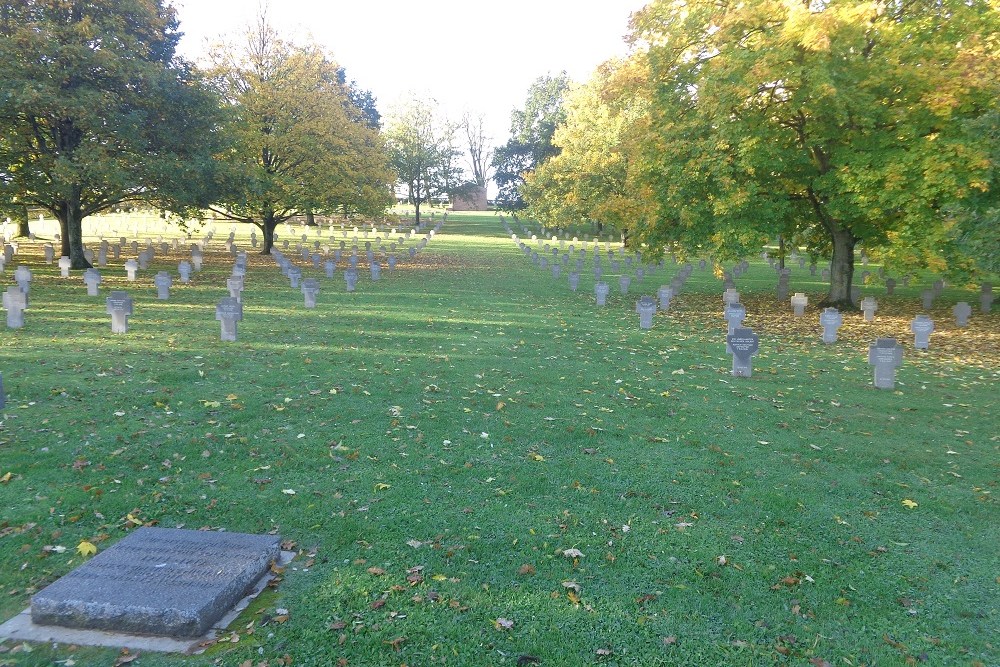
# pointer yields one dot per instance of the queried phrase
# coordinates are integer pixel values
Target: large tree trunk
(267, 226)
(71, 228)
(781, 251)
(310, 219)
(841, 268)
(21, 218)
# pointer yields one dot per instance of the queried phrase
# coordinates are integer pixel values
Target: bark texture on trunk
(267, 226)
(841, 269)
(71, 229)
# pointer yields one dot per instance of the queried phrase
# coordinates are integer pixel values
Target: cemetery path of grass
(479, 467)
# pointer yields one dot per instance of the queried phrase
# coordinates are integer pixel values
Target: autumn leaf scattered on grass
(909, 504)
(503, 624)
(572, 553)
(526, 569)
(86, 548)
(395, 643)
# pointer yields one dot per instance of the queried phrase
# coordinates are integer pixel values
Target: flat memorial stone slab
(158, 581)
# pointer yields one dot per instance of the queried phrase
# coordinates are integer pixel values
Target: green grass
(466, 420)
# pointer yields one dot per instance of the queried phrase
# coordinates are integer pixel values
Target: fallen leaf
(572, 553)
(5, 478)
(503, 624)
(668, 641)
(382, 486)
(527, 568)
(909, 504)
(376, 571)
(85, 548)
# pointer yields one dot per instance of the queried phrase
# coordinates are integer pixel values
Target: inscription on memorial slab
(158, 581)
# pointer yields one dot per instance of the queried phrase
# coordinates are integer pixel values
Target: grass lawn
(479, 467)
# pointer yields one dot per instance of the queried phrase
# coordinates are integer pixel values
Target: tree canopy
(298, 142)
(96, 110)
(592, 175)
(530, 143)
(424, 151)
(835, 124)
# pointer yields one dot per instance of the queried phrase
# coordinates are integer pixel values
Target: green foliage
(298, 142)
(424, 152)
(96, 110)
(847, 122)
(530, 143)
(592, 176)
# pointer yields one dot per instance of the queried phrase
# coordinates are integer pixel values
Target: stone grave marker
(375, 270)
(228, 312)
(927, 298)
(646, 307)
(330, 267)
(938, 287)
(743, 344)
(543, 263)
(825, 274)
(831, 320)
(799, 302)
(131, 266)
(665, 293)
(885, 355)
(294, 276)
(962, 311)
(92, 278)
(184, 269)
(868, 307)
(391, 261)
(50, 253)
(574, 280)
(623, 283)
(735, 314)
(235, 286)
(102, 254)
(855, 294)
(15, 302)
(310, 288)
(163, 282)
(23, 277)
(65, 263)
(730, 296)
(921, 326)
(351, 278)
(985, 297)
(158, 581)
(890, 286)
(144, 259)
(556, 271)
(601, 291)
(119, 306)
(8, 253)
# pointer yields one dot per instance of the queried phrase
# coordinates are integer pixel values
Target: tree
(480, 148)
(836, 123)
(593, 175)
(299, 145)
(95, 110)
(424, 152)
(530, 142)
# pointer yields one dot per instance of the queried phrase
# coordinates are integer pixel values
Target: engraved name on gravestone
(921, 326)
(885, 355)
(158, 581)
(743, 345)
(119, 306)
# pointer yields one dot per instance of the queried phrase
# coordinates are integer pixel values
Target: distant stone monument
(473, 200)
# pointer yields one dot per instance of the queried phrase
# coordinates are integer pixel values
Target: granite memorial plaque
(921, 326)
(158, 581)
(743, 345)
(119, 306)
(831, 320)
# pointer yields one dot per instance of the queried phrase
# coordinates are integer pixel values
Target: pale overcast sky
(468, 55)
